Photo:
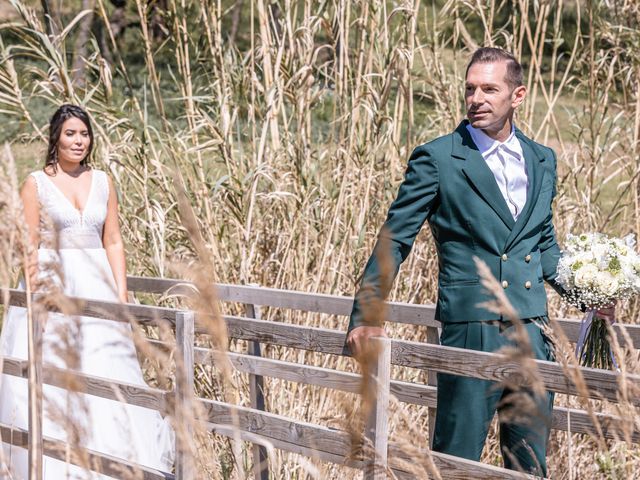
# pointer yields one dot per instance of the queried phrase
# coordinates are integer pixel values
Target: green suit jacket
(448, 184)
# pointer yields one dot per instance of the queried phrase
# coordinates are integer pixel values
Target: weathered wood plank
(119, 312)
(110, 465)
(228, 431)
(492, 366)
(433, 337)
(273, 297)
(184, 392)
(450, 467)
(151, 315)
(414, 393)
(406, 392)
(36, 317)
(256, 399)
(319, 376)
(333, 445)
(399, 312)
(377, 424)
(315, 339)
(277, 427)
(571, 328)
(579, 421)
(146, 397)
(349, 382)
(413, 354)
(294, 372)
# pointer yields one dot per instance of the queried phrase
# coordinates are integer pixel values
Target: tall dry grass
(289, 143)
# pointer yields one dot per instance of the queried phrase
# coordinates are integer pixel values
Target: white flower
(599, 251)
(585, 257)
(606, 283)
(595, 268)
(585, 275)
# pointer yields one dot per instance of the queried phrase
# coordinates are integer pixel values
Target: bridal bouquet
(597, 270)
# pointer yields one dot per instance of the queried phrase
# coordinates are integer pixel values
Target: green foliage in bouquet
(596, 352)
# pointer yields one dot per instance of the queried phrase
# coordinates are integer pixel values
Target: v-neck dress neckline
(69, 202)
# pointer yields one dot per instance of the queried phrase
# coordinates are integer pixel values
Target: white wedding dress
(103, 348)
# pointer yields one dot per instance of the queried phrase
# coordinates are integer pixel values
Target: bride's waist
(71, 239)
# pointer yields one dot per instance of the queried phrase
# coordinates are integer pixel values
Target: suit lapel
(479, 174)
(535, 174)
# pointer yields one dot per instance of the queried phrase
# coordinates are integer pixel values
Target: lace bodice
(63, 225)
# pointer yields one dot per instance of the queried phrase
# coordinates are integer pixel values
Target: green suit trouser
(466, 405)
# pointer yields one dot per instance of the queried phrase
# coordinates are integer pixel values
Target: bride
(71, 211)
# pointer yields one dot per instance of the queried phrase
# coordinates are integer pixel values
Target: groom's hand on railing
(359, 339)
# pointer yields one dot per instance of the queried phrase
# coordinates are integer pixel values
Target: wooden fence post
(377, 426)
(184, 390)
(35, 317)
(432, 380)
(256, 393)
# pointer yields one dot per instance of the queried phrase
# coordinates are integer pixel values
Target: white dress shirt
(506, 161)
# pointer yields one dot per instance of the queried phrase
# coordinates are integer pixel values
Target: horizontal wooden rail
(571, 329)
(109, 465)
(307, 438)
(316, 441)
(120, 312)
(613, 427)
(601, 384)
(290, 299)
(313, 440)
(142, 396)
(458, 361)
(450, 467)
(332, 304)
(325, 441)
(333, 445)
(152, 315)
(406, 392)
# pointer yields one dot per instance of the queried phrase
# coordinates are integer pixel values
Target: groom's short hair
(492, 55)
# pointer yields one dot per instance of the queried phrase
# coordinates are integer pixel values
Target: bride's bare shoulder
(30, 186)
(33, 177)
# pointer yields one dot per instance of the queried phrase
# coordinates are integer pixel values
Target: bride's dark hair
(61, 115)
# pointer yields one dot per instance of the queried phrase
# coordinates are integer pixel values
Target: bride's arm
(31, 208)
(112, 241)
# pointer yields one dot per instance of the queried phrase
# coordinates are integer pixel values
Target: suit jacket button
(504, 257)
(527, 258)
(527, 284)
(505, 284)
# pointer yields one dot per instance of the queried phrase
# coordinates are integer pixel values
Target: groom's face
(490, 100)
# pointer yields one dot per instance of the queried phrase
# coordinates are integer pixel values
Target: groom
(486, 191)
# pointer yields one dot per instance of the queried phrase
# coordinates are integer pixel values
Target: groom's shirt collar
(487, 145)
(506, 162)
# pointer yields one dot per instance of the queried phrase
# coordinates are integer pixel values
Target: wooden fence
(316, 441)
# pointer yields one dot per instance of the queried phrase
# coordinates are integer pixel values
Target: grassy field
(290, 135)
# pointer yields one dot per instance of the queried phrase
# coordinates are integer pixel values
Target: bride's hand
(123, 297)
